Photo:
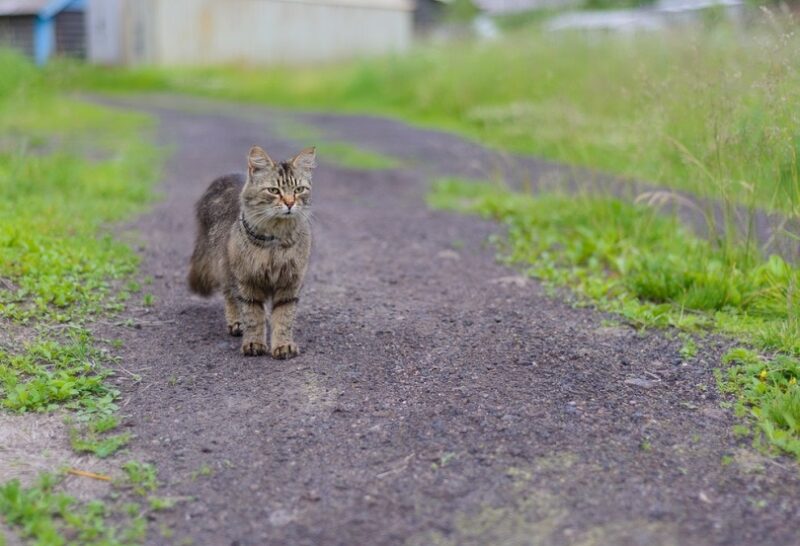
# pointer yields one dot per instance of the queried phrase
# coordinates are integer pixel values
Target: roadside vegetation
(47, 516)
(335, 151)
(631, 260)
(67, 170)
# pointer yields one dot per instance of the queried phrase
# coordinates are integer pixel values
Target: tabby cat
(253, 243)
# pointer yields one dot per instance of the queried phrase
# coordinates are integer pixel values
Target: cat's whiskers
(260, 218)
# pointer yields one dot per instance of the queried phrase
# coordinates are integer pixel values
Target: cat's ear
(258, 159)
(306, 159)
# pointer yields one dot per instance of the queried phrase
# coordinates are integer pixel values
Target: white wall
(103, 31)
(191, 32)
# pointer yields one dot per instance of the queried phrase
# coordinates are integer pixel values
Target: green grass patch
(632, 260)
(68, 170)
(711, 110)
(142, 477)
(102, 446)
(352, 157)
(52, 518)
(55, 200)
(337, 152)
(50, 374)
(767, 392)
(47, 516)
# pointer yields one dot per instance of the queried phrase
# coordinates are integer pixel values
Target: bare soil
(440, 398)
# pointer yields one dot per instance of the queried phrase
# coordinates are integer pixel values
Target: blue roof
(42, 8)
(55, 6)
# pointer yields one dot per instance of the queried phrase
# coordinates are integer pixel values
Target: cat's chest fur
(269, 266)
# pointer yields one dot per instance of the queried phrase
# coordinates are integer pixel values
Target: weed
(47, 374)
(141, 477)
(766, 391)
(689, 348)
(52, 518)
(158, 504)
(203, 471)
(88, 441)
(443, 460)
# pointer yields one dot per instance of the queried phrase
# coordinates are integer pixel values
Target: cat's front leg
(284, 305)
(232, 313)
(254, 318)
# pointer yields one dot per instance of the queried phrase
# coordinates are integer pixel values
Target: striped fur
(253, 243)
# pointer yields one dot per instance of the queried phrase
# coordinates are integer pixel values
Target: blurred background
(164, 32)
(691, 94)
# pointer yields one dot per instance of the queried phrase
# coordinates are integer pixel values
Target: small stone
(517, 281)
(281, 517)
(449, 255)
(640, 382)
(312, 496)
(715, 413)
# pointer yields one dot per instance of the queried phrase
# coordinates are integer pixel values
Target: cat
(253, 244)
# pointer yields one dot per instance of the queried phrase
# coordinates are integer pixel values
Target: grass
(337, 152)
(67, 171)
(47, 516)
(647, 267)
(712, 111)
(50, 374)
(142, 477)
(349, 156)
(52, 518)
(767, 392)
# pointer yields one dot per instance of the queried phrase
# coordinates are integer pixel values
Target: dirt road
(439, 399)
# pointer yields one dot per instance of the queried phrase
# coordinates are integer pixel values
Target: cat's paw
(254, 348)
(235, 329)
(285, 350)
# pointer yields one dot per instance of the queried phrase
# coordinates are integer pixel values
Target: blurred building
(197, 32)
(42, 28)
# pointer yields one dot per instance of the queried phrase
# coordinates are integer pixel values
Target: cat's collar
(255, 237)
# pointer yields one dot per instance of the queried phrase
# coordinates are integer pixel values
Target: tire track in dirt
(438, 399)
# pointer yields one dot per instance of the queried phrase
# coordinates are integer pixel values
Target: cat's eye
(300, 189)
(274, 191)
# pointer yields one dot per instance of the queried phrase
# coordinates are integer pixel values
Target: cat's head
(278, 189)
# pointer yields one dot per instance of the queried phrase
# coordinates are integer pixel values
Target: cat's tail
(200, 277)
